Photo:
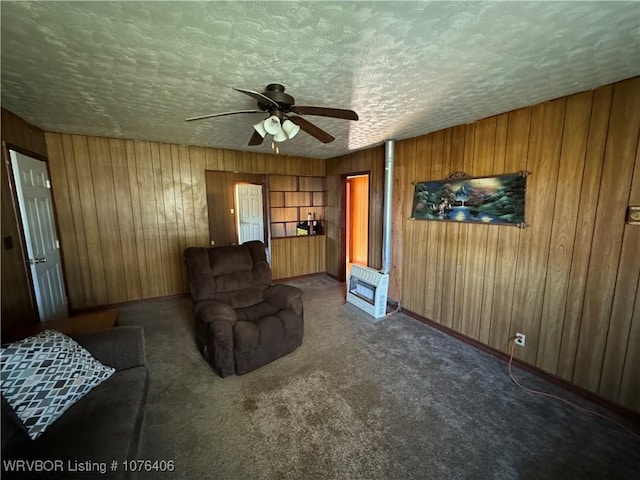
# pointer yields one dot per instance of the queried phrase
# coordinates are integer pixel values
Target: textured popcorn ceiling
(138, 69)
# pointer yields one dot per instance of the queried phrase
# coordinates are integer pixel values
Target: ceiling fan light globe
(290, 128)
(259, 127)
(281, 136)
(272, 125)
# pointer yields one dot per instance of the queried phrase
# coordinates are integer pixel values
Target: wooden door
(249, 212)
(33, 190)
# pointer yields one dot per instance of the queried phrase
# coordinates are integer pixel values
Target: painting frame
(490, 200)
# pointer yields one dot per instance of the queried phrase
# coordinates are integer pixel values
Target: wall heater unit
(367, 290)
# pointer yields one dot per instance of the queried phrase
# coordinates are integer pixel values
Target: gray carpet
(393, 399)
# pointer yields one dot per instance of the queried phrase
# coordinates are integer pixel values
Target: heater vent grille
(368, 290)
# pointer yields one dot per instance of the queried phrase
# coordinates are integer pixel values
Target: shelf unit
(291, 199)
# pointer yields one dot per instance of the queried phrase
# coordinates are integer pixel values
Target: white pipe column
(389, 151)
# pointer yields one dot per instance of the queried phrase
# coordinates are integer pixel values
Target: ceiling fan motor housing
(275, 92)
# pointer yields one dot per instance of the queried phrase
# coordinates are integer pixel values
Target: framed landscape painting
(495, 200)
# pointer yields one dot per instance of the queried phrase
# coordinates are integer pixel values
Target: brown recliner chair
(242, 321)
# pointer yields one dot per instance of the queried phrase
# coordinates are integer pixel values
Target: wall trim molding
(561, 382)
(298, 277)
(97, 308)
(25, 151)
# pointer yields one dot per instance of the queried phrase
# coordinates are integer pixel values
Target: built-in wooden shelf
(292, 199)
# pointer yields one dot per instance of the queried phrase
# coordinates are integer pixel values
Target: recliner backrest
(236, 275)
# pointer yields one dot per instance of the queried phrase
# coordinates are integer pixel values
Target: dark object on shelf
(302, 228)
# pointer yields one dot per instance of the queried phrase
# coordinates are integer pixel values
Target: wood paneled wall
(18, 306)
(570, 281)
(17, 132)
(365, 161)
(128, 208)
(295, 256)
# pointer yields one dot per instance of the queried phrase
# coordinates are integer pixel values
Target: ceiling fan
(283, 121)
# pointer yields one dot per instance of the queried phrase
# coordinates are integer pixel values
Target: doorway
(222, 207)
(250, 217)
(33, 192)
(356, 221)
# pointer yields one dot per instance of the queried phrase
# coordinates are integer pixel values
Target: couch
(243, 321)
(103, 426)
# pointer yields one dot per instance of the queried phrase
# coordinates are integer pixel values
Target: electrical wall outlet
(520, 337)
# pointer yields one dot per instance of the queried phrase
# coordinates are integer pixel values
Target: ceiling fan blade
(256, 139)
(258, 96)
(312, 129)
(325, 112)
(201, 117)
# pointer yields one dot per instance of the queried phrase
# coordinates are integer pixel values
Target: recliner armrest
(210, 311)
(218, 320)
(283, 296)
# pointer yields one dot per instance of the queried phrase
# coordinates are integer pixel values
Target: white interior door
(43, 249)
(250, 214)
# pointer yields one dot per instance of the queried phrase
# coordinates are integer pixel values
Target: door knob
(39, 260)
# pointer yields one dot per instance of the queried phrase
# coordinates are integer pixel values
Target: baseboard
(97, 308)
(561, 382)
(297, 277)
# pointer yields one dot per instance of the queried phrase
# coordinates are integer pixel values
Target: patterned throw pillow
(44, 375)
